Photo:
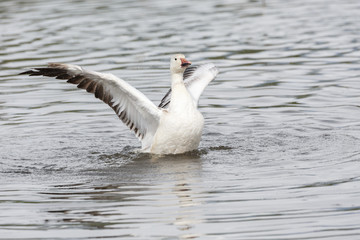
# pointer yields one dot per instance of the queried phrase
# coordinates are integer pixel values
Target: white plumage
(173, 127)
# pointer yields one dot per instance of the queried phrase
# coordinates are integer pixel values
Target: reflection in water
(186, 170)
(123, 195)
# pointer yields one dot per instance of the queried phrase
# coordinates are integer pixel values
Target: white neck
(180, 97)
(176, 78)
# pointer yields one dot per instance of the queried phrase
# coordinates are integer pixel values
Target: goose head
(178, 63)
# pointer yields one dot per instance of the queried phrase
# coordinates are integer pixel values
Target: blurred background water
(279, 158)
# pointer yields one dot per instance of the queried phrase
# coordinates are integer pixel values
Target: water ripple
(279, 154)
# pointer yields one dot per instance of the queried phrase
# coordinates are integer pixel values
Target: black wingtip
(26, 72)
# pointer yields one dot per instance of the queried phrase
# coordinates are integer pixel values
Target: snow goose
(175, 126)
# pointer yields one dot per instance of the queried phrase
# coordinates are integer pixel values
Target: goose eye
(175, 59)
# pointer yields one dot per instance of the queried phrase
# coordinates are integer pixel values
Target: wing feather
(196, 78)
(133, 108)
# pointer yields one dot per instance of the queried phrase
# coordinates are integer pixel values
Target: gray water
(280, 153)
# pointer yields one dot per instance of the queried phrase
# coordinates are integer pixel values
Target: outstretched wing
(133, 108)
(196, 78)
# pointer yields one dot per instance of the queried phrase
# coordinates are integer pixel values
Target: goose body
(181, 125)
(175, 126)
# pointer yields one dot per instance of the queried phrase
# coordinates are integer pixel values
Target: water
(279, 158)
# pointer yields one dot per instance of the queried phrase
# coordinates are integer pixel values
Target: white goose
(173, 127)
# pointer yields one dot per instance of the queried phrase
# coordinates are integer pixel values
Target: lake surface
(280, 153)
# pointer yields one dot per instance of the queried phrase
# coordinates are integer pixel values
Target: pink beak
(184, 62)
